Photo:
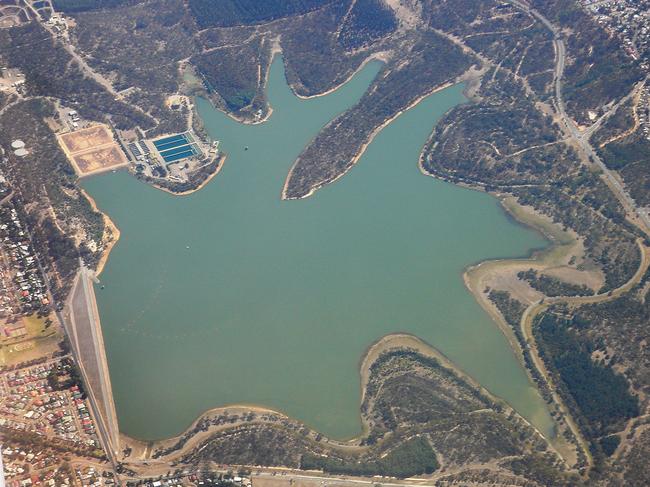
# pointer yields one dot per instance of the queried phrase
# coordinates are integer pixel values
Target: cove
(231, 295)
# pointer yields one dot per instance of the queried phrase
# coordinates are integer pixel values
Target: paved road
(528, 319)
(582, 138)
(325, 479)
(102, 407)
(87, 70)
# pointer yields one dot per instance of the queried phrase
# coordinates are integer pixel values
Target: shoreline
(538, 258)
(386, 343)
(194, 190)
(109, 225)
(276, 49)
(561, 244)
(460, 79)
(474, 280)
(101, 170)
(115, 231)
(401, 340)
(382, 56)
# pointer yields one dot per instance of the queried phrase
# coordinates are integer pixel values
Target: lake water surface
(274, 302)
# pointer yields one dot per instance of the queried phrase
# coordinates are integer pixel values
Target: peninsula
(460, 328)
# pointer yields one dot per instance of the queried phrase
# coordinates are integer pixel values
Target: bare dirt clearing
(99, 160)
(87, 138)
(92, 150)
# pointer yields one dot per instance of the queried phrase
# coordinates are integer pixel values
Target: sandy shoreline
(275, 49)
(477, 277)
(110, 226)
(115, 232)
(386, 343)
(382, 56)
(366, 144)
(394, 341)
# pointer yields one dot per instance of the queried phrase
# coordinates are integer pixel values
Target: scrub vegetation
(238, 12)
(552, 286)
(420, 415)
(73, 6)
(624, 147)
(44, 180)
(513, 311)
(235, 86)
(130, 57)
(598, 71)
(50, 71)
(413, 457)
(334, 149)
(503, 143)
(583, 365)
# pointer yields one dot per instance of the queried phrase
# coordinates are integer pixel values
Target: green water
(274, 302)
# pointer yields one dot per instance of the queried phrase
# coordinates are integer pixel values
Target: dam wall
(85, 333)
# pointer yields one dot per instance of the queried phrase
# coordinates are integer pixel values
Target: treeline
(502, 140)
(552, 286)
(431, 61)
(631, 157)
(609, 243)
(232, 72)
(627, 151)
(510, 38)
(413, 457)
(501, 143)
(513, 310)
(61, 249)
(426, 398)
(368, 21)
(72, 6)
(601, 396)
(615, 124)
(432, 405)
(139, 49)
(209, 13)
(254, 444)
(622, 326)
(315, 57)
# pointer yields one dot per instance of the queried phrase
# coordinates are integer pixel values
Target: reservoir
(231, 295)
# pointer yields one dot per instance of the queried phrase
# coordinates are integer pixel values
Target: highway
(638, 217)
(581, 139)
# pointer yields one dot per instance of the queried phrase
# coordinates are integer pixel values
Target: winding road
(635, 215)
(638, 217)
